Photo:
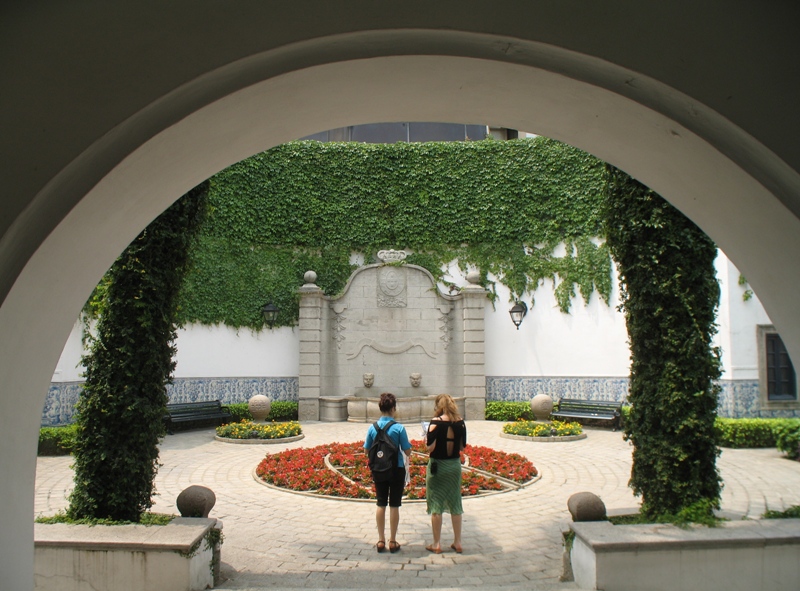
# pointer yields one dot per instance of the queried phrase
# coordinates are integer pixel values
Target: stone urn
(259, 406)
(196, 501)
(541, 406)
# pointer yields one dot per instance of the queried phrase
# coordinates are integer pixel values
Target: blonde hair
(444, 404)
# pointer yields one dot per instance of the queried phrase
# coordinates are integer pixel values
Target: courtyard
(276, 539)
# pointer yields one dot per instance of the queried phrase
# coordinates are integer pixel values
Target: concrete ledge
(174, 557)
(761, 554)
(256, 441)
(548, 439)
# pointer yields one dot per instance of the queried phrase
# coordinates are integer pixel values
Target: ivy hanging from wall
(503, 207)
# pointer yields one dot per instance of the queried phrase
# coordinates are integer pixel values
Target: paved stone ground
(276, 539)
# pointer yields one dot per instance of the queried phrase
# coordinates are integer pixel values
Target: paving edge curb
(260, 441)
(544, 439)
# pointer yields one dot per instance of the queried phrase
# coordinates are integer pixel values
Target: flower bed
(250, 430)
(348, 475)
(537, 429)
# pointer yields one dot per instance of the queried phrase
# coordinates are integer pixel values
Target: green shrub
(147, 518)
(749, 433)
(792, 512)
(239, 412)
(534, 429)
(283, 411)
(279, 411)
(57, 441)
(788, 438)
(508, 411)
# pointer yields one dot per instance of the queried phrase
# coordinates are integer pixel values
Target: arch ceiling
(111, 112)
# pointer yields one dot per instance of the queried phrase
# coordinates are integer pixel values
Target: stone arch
(720, 146)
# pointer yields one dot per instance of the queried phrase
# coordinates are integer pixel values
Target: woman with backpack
(447, 436)
(385, 441)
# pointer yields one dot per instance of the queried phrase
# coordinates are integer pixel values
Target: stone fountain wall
(391, 321)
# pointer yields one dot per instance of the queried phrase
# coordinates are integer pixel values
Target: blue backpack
(382, 454)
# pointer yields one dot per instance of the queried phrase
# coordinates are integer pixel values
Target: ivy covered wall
(502, 206)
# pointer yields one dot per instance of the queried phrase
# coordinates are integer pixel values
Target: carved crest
(391, 287)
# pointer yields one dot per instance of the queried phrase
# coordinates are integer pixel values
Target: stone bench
(173, 557)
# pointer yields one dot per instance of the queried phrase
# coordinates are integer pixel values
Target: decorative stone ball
(474, 277)
(259, 406)
(541, 406)
(196, 501)
(586, 506)
(310, 277)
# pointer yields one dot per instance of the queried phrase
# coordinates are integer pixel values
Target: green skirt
(443, 489)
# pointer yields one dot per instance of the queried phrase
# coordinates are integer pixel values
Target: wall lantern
(270, 312)
(518, 313)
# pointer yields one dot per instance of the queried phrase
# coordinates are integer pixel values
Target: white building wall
(583, 353)
(221, 351)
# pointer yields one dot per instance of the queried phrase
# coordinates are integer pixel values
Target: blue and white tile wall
(737, 398)
(522, 389)
(59, 408)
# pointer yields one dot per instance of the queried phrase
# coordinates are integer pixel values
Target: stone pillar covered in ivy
(121, 409)
(669, 294)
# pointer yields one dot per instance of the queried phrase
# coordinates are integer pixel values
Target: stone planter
(757, 554)
(174, 557)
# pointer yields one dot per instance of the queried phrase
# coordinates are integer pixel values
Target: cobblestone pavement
(276, 539)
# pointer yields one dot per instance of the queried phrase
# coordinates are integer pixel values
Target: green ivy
(503, 207)
(123, 402)
(669, 295)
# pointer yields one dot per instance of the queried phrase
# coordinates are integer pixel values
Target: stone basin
(360, 409)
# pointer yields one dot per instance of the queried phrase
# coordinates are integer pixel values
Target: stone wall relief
(446, 325)
(338, 326)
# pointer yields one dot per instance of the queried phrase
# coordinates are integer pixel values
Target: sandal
(457, 549)
(434, 549)
(393, 546)
(381, 545)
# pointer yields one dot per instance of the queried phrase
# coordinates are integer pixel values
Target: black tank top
(439, 435)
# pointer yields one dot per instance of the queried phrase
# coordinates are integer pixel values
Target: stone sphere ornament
(541, 406)
(586, 506)
(196, 501)
(310, 277)
(259, 406)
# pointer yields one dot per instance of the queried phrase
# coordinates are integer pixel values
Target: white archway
(705, 164)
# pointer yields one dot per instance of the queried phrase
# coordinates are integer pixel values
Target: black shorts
(391, 492)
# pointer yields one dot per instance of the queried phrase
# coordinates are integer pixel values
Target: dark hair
(388, 402)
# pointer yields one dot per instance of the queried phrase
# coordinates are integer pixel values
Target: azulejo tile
(59, 407)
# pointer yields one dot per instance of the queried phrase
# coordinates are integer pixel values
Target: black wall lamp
(518, 312)
(270, 312)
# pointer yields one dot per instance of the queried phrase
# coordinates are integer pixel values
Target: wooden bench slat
(204, 410)
(590, 409)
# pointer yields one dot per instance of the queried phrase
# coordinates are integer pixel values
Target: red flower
(304, 469)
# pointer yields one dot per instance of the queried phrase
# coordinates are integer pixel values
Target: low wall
(358, 409)
(759, 554)
(173, 557)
